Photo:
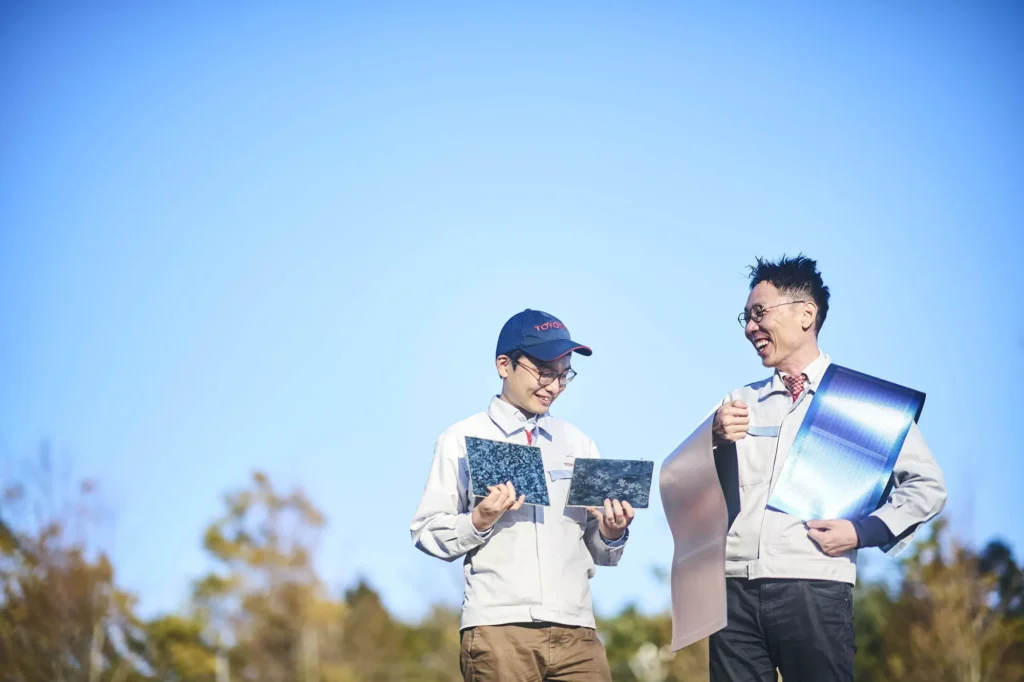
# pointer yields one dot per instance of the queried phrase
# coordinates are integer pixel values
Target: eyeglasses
(757, 312)
(546, 376)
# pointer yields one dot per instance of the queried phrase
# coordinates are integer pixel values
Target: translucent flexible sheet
(697, 514)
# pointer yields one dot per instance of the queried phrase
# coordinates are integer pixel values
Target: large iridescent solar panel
(842, 458)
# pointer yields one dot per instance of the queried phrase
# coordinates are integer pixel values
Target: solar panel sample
(492, 462)
(594, 480)
(842, 458)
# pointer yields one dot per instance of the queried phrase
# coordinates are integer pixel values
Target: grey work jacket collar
(511, 420)
(814, 371)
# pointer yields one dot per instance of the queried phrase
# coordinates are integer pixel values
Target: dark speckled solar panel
(492, 462)
(594, 480)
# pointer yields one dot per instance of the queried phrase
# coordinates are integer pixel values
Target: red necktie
(795, 384)
(529, 437)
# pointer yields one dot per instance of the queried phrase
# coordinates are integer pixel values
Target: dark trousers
(803, 628)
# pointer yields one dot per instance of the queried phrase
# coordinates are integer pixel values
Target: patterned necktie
(795, 384)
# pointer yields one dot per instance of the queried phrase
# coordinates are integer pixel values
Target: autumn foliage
(264, 614)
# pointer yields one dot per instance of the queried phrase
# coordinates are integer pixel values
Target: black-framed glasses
(546, 376)
(757, 312)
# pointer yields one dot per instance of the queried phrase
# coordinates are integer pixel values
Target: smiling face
(785, 337)
(521, 382)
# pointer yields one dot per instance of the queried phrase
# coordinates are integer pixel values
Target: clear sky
(285, 236)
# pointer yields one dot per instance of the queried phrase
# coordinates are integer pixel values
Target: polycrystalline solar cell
(492, 462)
(594, 480)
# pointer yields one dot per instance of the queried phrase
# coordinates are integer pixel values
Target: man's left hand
(834, 537)
(614, 520)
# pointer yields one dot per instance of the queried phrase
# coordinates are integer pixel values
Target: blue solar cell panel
(844, 453)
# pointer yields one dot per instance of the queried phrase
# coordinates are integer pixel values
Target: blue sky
(246, 236)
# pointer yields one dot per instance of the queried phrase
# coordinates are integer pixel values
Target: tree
(638, 648)
(62, 617)
(955, 617)
(263, 614)
(266, 607)
(178, 651)
(382, 649)
(873, 606)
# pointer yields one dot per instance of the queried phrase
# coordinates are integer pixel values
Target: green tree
(382, 649)
(873, 607)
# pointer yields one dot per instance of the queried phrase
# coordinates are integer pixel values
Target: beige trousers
(532, 652)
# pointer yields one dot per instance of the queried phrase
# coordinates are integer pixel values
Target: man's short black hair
(794, 277)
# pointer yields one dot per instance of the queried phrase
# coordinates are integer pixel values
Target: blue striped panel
(844, 453)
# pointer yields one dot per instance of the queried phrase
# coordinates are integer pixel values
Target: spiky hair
(797, 276)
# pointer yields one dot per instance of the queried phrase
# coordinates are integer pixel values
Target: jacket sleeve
(918, 493)
(442, 526)
(604, 552)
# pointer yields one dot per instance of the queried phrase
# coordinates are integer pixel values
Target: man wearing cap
(527, 613)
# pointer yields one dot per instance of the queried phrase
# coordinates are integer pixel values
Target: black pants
(804, 628)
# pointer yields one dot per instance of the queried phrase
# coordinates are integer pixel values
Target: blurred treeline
(264, 614)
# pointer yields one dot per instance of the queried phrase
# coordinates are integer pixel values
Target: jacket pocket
(574, 580)
(831, 589)
(787, 536)
(757, 455)
(503, 572)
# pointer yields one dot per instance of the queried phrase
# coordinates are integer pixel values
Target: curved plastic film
(842, 458)
(698, 516)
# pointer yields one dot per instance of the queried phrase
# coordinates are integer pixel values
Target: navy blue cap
(538, 335)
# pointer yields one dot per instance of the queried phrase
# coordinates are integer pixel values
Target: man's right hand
(731, 422)
(500, 499)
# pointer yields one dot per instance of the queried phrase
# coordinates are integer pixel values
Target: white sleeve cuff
(469, 536)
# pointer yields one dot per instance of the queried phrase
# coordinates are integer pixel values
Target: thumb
(596, 514)
(820, 525)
